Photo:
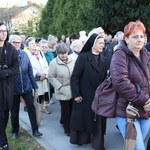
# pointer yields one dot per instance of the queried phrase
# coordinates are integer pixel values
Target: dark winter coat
(9, 57)
(24, 80)
(108, 51)
(126, 73)
(86, 77)
(147, 46)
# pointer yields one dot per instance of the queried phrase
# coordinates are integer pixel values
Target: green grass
(24, 141)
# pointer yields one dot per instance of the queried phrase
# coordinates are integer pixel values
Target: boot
(45, 108)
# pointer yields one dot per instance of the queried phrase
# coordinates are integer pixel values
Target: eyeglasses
(44, 46)
(3, 31)
(16, 42)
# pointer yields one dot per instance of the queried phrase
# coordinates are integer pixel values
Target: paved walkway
(54, 138)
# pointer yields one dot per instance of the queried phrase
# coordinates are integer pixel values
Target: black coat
(86, 77)
(8, 57)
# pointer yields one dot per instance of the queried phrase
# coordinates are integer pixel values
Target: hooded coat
(126, 72)
(9, 57)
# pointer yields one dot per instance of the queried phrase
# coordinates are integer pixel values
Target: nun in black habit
(89, 71)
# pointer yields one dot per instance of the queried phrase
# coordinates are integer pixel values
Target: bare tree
(6, 14)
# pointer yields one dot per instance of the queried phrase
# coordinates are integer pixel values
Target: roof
(9, 13)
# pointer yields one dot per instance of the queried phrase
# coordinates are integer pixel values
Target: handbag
(104, 103)
(38, 108)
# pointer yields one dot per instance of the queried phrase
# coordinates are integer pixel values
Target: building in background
(19, 18)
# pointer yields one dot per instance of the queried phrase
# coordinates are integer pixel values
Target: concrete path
(53, 135)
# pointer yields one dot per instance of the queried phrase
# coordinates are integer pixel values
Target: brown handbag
(105, 99)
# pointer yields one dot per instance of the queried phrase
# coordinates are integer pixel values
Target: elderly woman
(40, 69)
(23, 84)
(43, 46)
(130, 68)
(89, 72)
(52, 42)
(76, 46)
(60, 70)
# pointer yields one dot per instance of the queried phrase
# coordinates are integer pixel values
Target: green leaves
(66, 16)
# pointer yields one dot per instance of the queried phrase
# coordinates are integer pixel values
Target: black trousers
(4, 116)
(29, 99)
(66, 108)
(44, 97)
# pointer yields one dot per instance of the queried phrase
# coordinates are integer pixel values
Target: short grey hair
(61, 48)
(29, 39)
(42, 42)
(119, 33)
(75, 43)
(13, 37)
(51, 40)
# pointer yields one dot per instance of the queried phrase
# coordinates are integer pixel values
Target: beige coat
(40, 66)
(59, 76)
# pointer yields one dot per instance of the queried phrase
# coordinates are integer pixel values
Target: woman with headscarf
(89, 71)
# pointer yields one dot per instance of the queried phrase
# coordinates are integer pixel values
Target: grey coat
(59, 76)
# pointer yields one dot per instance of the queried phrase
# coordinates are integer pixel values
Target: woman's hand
(147, 106)
(78, 99)
(147, 102)
(42, 77)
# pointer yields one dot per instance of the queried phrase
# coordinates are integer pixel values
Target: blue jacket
(24, 80)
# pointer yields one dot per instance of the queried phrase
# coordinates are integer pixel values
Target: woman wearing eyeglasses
(8, 68)
(24, 82)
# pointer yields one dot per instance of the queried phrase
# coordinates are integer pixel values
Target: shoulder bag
(104, 103)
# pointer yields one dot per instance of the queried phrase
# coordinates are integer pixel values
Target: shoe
(5, 147)
(51, 102)
(15, 135)
(68, 134)
(25, 109)
(117, 127)
(46, 110)
(37, 133)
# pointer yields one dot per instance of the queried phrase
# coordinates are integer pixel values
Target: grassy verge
(24, 142)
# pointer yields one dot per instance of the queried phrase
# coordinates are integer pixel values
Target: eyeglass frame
(3, 31)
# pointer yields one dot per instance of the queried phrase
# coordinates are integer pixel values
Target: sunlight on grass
(24, 141)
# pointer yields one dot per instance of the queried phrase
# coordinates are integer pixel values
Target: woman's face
(3, 33)
(16, 43)
(44, 47)
(63, 56)
(99, 45)
(32, 45)
(135, 41)
(78, 47)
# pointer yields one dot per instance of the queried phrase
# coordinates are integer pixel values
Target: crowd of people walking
(71, 70)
